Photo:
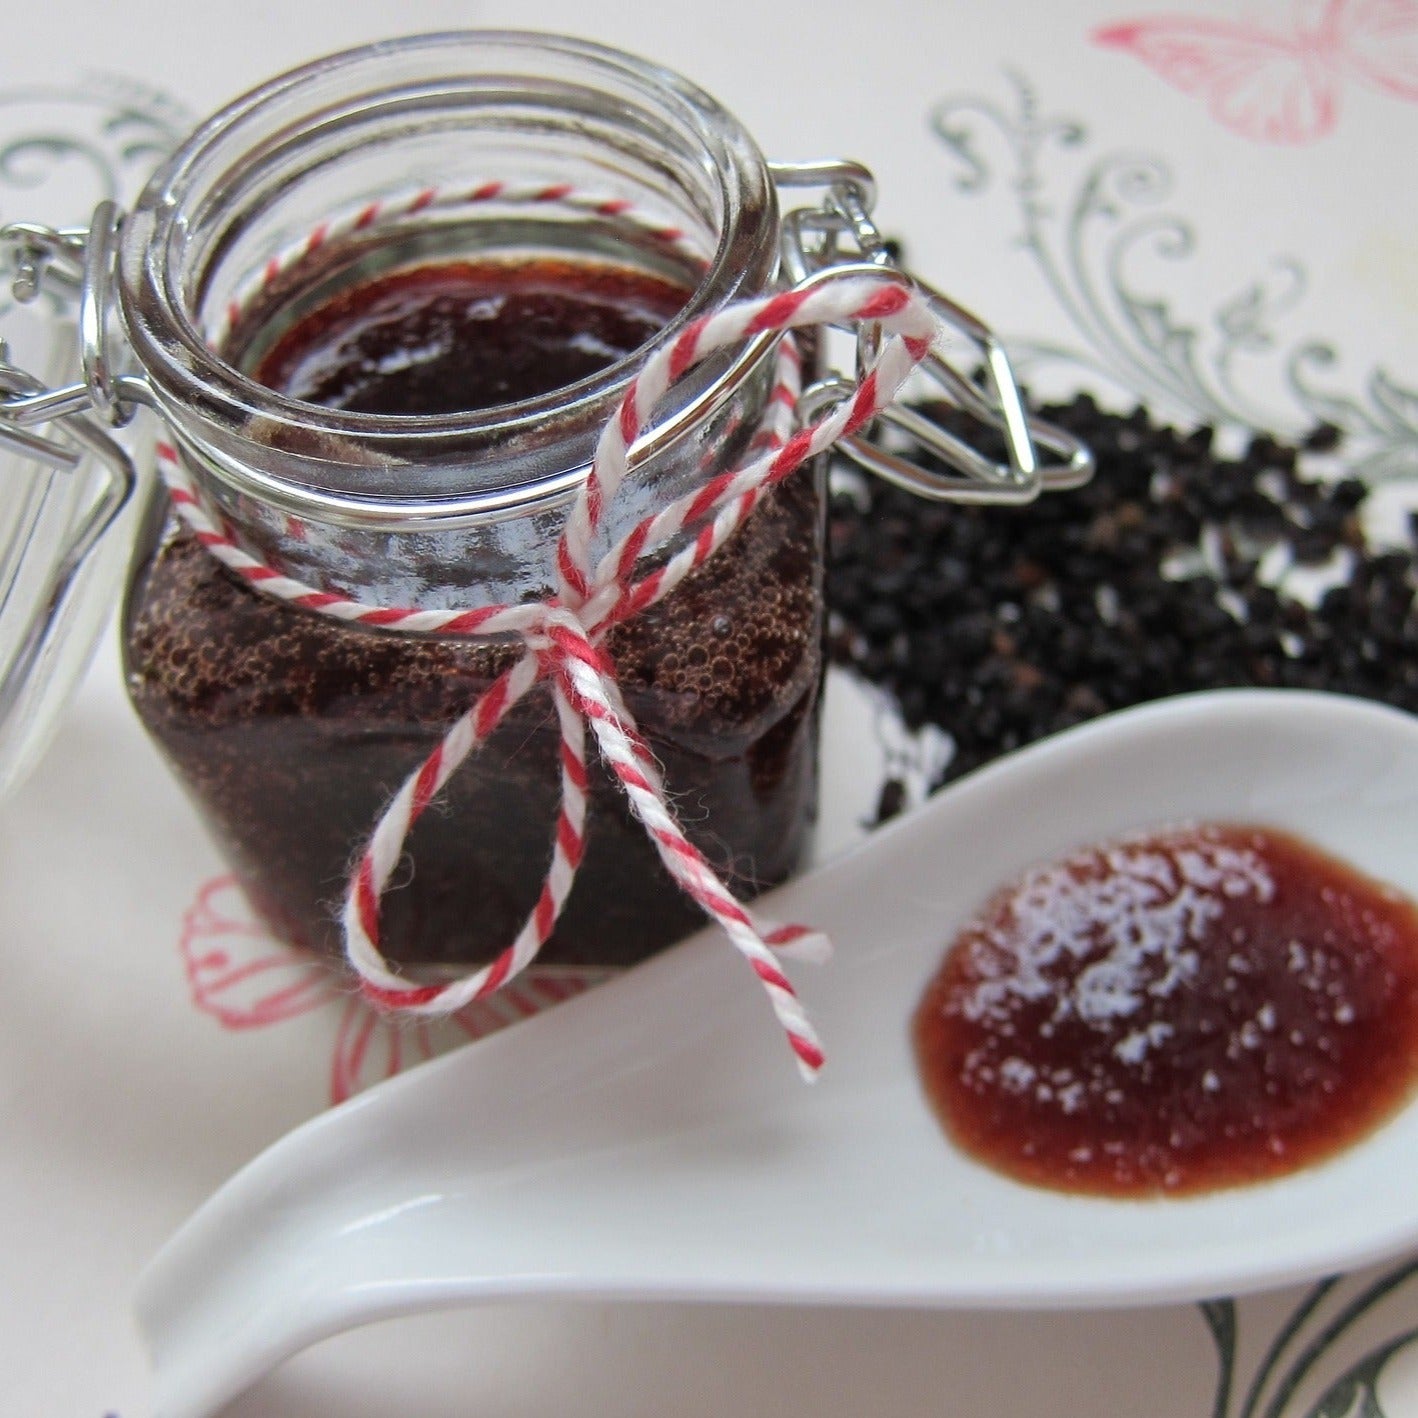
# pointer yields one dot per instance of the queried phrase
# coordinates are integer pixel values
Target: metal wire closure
(40, 573)
(75, 260)
(48, 575)
(72, 261)
(840, 234)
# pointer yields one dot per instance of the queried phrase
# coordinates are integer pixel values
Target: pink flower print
(237, 973)
(1280, 85)
(244, 978)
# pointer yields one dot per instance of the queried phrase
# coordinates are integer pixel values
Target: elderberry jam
(448, 337)
(1172, 1012)
(291, 730)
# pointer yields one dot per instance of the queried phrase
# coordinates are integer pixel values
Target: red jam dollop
(1173, 1012)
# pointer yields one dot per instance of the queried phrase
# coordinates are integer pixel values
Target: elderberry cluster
(1002, 625)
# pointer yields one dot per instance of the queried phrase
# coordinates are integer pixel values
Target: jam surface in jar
(290, 730)
(455, 336)
(1172, 1012)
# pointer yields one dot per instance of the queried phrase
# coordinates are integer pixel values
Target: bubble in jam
(1170, 1012)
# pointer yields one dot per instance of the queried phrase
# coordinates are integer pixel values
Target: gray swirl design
(1103, 252)
(65, 148)
(1329, 1355)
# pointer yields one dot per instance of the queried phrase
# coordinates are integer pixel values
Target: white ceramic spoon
(651, 1139)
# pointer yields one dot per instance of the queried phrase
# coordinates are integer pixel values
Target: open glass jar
(554, 164)
(384, 306)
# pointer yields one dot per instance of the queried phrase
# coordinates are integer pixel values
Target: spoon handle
(290, 1253)
(517, 1165)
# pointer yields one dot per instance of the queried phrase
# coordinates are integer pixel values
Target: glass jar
(290, 730)
(562, 176)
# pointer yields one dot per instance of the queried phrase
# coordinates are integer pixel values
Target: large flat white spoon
(652, 1139)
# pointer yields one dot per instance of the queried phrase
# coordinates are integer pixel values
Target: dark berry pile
(1002, 625)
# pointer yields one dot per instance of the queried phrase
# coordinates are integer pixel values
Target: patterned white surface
(1090, 206)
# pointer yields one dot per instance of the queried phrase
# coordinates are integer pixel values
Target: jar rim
(193, 382)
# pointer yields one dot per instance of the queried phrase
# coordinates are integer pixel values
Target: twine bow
(563, 637)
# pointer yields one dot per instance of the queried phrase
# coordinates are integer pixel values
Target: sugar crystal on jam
(1174, 1011)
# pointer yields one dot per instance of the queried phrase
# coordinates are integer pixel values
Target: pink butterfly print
(245, 979)
(1280, 86)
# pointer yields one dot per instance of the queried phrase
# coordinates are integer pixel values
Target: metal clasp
(40, 581)
(56, 428)
(81, 439)
(76, 262)
(840, 234)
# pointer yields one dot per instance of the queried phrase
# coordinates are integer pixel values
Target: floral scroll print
(239, 975)
(1093, 230)
(1280, 84)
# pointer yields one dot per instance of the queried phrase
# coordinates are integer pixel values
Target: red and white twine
(563, 636)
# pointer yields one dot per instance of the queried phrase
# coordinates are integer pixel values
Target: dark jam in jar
(291, 730)
(463, 335)
(1174, 1012)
